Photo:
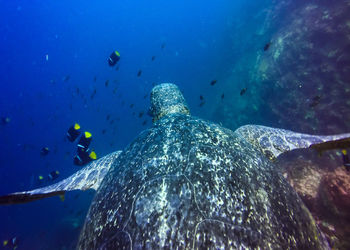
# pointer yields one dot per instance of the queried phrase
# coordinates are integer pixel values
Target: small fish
(141, 114)
(107, 117)
(145, 96)
(66, 78)
(267, 46)
(153, 57)
(5, 120)
(213, 82)
(139, 73)
(106, 83)
(78, 91)
(73, 132)
(243, 91)
(201, 97)
(111, 122)
(131, 105)
(95, 78)
(114, 91)
(163, 45)
(222, 96)
(11, 243)
(44, 151)
(346, 160)
(315, 101)
(144, 123)
(53, 175)
(201, 104)
(104, 131)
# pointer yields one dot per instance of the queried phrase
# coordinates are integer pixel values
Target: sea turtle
(187, 183)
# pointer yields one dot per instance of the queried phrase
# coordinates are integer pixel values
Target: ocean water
(54, 57)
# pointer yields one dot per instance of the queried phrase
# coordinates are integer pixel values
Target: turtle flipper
(89, 177)
(273, 141)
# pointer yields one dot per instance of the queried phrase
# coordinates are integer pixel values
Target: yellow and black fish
(84, 157)
(53, 175)
(44, 151)
(113, 58)
(73, 132)
(346, 160)
(84, 141)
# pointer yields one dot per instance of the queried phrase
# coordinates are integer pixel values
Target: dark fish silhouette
(139, 73)
(222, 96)
(93, 94)
(243, 91)
(44, 151)
(153, 57)
(163, 45)
(107, 117)
(213, 82)
(95, 79)
(267, 46)
(104, 131)
(145, 96)
(141, 114)
(66, 78)
(201, 104)
(144, 123)
(315, 101)
(106, 83)
(131, 105)
(201, 97)
(5, 120)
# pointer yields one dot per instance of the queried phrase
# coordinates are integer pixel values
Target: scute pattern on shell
(188, 183)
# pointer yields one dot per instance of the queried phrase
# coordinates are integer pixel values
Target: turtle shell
(189, 183)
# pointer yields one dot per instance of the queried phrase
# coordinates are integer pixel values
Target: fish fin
(89, 177)
(273, 141)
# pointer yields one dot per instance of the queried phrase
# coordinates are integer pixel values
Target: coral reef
(325, 192)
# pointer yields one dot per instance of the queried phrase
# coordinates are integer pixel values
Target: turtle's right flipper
(273, 141)
(89, 177)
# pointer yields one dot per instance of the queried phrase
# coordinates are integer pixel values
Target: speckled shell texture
(191, 184)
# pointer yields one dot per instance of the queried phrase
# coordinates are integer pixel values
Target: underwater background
(276, 63)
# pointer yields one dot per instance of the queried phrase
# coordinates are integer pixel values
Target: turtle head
(166, 98)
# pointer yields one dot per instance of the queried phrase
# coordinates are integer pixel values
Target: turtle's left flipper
(273, 142)
(89, 177)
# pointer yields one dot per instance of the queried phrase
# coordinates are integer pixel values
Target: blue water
(51, 52)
